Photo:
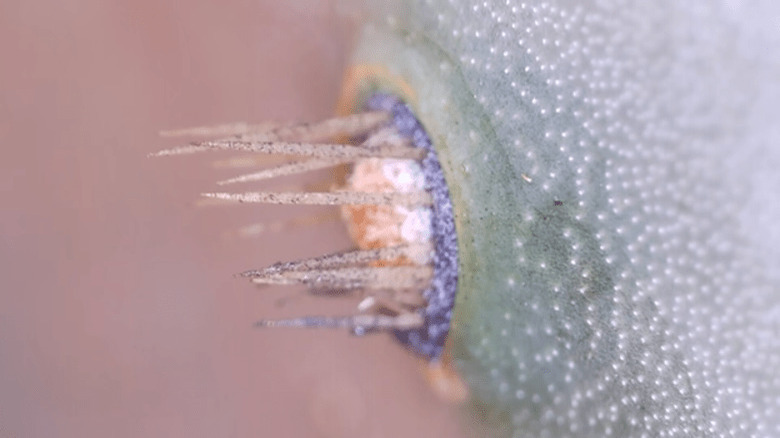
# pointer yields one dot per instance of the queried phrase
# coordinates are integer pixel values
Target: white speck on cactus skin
(611, 169)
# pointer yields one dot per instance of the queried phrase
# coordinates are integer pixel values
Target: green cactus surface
(613, 278)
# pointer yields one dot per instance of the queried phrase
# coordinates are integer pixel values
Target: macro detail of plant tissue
(568, 210)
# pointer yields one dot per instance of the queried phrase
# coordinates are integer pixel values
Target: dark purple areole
(429, 339)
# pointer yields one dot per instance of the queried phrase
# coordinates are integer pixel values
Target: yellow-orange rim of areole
(360, 79)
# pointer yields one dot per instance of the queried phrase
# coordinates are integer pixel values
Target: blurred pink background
(119, 314)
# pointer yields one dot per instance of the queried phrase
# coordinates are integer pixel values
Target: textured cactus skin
(611, 282)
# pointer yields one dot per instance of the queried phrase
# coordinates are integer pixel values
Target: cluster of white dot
(660, 322)
(407, 176)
